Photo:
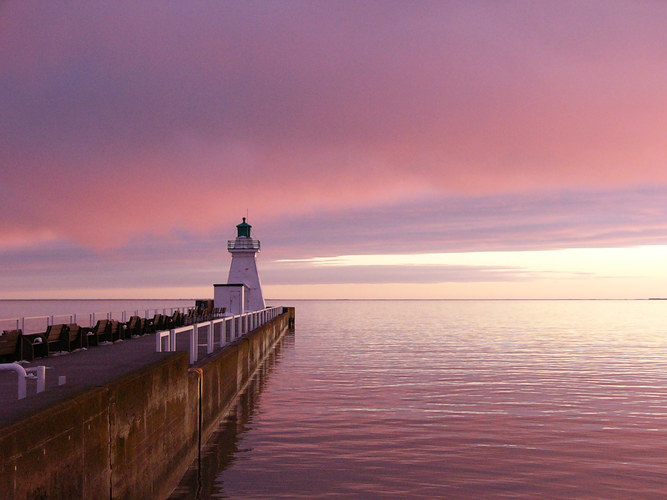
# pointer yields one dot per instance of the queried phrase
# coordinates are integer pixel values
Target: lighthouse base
(233, 297)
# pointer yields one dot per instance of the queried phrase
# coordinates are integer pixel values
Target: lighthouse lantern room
(243, 290)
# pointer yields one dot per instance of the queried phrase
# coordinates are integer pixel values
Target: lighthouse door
(235, 302)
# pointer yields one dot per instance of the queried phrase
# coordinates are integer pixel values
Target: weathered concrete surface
(221, 447)
(226, 373)
(111, 441)
(94, 367)
(153, 421)
(63, 449)
(128, 436)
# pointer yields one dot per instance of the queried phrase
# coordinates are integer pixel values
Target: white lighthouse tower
(243, 290)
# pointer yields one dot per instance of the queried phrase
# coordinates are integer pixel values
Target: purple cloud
(145, 130)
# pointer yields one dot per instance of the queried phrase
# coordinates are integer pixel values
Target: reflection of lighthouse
(243, 291)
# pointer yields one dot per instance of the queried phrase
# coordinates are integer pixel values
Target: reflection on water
(223, 448)
(476, 399)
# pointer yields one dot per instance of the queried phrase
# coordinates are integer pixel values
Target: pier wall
(136, 436)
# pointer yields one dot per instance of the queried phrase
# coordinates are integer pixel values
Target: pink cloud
(126, 119)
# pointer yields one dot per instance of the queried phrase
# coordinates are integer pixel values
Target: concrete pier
(128, 422)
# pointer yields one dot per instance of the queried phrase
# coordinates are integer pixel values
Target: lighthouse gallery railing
(243, 244)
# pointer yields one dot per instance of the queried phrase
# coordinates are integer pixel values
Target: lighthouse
(243, 290)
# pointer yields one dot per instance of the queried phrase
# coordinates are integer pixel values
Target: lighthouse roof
(243, 229)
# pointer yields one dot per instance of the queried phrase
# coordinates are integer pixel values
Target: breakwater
(135, 436)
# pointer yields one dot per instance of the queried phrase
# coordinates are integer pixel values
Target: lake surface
(443, 399)
(452, 399)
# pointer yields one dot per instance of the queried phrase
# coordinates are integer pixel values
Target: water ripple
(460, 399)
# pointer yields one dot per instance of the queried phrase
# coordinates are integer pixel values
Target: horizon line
(347, 299)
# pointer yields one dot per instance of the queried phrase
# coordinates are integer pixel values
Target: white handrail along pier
(227, 330)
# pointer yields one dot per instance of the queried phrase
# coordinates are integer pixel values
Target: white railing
(243, 244)
(40, 372)
(38, 324)
(228, 328)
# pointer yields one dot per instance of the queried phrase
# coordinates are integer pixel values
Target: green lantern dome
(243, 229)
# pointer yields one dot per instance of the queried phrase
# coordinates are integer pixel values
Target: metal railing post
(194, 341)
(40, 372)
(209, 338)
(172, 340)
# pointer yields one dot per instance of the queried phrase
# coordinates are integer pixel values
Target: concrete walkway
(83, 369)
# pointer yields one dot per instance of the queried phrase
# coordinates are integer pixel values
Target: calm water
(449, 399)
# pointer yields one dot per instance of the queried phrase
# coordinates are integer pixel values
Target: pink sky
(134, 135)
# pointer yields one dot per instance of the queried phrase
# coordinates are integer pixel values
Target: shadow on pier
(221, 450)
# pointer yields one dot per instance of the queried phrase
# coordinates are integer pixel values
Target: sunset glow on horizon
(380, 149)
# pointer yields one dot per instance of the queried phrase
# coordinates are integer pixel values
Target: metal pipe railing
(38, 324)
(22, 374)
